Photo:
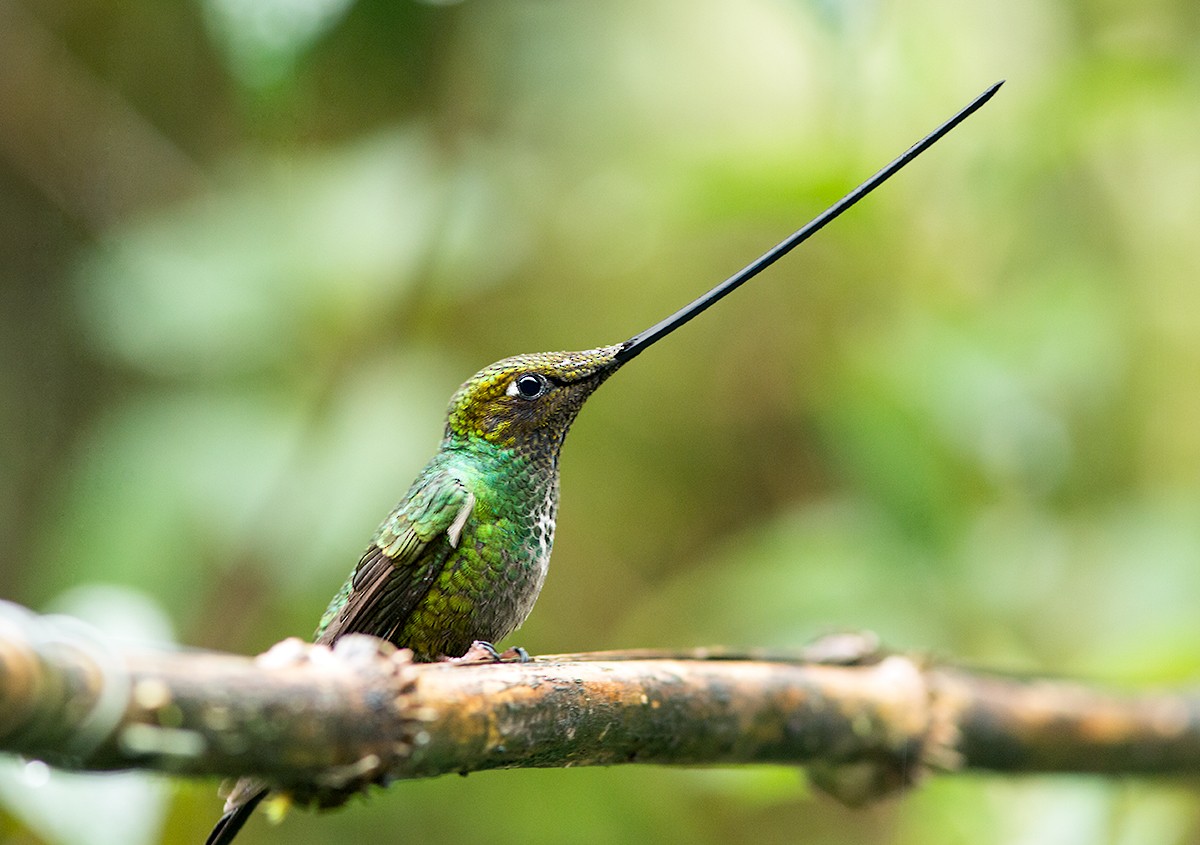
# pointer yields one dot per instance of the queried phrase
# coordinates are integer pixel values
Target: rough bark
(324, 724)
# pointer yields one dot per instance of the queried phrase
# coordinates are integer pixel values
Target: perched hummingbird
(462, 558)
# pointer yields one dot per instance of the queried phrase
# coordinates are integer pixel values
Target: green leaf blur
(249, 248)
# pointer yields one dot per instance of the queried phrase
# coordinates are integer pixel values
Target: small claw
(479, 652)
(484, 652)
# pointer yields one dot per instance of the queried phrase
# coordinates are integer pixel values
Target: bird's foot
(515, 654)
(484, 652)
(479, 652)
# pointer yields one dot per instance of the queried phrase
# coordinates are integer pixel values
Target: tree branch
(325, 724)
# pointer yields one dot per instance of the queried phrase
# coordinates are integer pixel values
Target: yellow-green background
(248, 249)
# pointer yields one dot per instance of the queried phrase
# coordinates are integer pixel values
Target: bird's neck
(517, 470)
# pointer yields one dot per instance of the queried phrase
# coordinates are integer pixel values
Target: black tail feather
(229, 824)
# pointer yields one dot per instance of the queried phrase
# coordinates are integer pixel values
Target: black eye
(530, 386)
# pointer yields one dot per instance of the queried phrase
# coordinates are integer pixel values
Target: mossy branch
(325, 724)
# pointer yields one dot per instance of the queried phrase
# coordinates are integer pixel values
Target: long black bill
(639, 342)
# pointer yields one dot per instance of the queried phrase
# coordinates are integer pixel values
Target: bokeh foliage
(250, 247)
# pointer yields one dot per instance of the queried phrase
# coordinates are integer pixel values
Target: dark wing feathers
(403, 560)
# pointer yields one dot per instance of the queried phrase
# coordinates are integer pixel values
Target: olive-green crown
(501, 405)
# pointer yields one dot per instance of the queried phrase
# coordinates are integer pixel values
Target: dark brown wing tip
(228, 825)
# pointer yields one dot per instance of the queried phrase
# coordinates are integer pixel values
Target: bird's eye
(528, 386)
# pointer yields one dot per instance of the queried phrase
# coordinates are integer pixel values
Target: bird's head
(528, 400)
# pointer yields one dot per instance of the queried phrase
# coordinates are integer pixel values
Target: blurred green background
(248, 249)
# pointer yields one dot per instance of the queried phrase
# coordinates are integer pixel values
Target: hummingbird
(459, 562)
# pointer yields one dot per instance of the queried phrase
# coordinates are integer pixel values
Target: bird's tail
(229, 824)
